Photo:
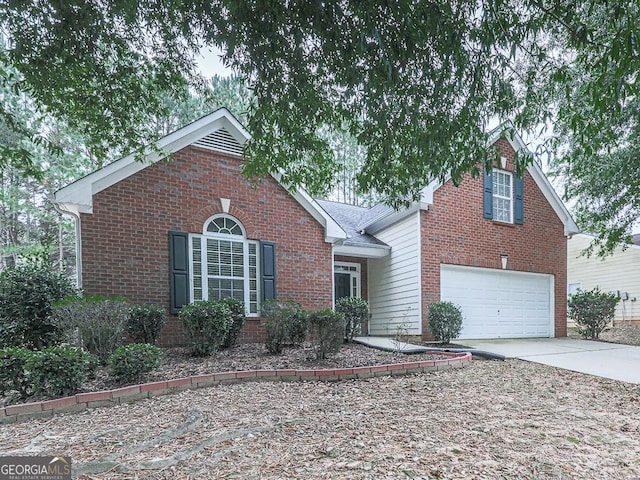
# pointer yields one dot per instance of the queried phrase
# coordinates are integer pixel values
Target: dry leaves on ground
(491, 419)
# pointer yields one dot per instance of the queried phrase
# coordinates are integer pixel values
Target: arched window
(224, 263)
(224, 225)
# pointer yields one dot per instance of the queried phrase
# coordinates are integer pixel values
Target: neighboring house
(618, 273)
(186, 225)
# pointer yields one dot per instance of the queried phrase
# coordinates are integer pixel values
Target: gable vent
(222, 141)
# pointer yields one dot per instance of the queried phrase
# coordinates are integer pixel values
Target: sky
(210, 63)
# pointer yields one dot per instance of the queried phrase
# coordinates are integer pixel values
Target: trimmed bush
(445, 321)
(592, 311)
(134, 360)
(27, 295)
(355, 311)
(285, 324)
(94, 322)
(276, 335)
(238, 318)
(145, 322)
(206, 325)
(13, 375)
(59, 371)
(326, 331)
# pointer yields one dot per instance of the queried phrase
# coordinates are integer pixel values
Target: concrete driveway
(608, 360)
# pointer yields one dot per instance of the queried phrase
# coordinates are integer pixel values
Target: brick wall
(455, 232)
(125, 244)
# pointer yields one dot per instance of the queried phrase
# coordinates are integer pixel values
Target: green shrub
(592, 311)
(27, 295)
(145, 322)
(285, 324)
(355, 311)
(326, 331)
(297, 325)
(134, 360)
(445, 321)
(61, 370)
(13, 375)
(276, 335)
(238, 318)
(292, 316)
(206, 325)
(94, 322)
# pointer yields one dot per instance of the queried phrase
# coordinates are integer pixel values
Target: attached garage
(499, 303)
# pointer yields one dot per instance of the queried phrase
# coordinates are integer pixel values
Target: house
(618, 273)
(186, 225)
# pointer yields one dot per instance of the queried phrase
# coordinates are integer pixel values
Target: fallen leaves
(488, 420)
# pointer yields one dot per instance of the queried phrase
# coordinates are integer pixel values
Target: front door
(342, 283)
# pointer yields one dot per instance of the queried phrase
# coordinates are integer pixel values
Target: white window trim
(510, 197)
(353, 274)
(569, 284)
(214, 217)
(245, 254)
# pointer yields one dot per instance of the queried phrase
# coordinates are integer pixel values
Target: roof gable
(219, 131)
(391, 216)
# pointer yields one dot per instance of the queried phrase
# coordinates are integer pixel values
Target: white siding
(617, 272)
(394, 281)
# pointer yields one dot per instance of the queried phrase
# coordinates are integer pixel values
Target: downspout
(76, 217)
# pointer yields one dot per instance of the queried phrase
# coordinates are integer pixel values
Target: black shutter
(268, 270)
(488, 195)
(518, 207)
(179, 269)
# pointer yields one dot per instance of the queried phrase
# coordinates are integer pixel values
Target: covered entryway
(499, 303)
(346, 279)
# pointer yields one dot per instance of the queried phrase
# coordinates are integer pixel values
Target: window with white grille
(225, 264)
(502, 196)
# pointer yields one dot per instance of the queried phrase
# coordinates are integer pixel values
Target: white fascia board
(570, 227)
(362, 251)
(73, 208)
(427, 193)
(332, 231)
(392, 218)
(81, 192)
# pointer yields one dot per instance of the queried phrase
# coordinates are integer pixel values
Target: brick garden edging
(106, 398)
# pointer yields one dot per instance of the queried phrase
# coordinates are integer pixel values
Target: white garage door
(499, 303)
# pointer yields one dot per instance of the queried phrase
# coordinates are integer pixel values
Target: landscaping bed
(491, 419)
(178, 363)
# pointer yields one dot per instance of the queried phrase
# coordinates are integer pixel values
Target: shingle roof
(350, 218)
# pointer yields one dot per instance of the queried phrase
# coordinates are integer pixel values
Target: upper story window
(502, 196)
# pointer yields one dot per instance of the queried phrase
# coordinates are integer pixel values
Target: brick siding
(455, 232)
(125, 245)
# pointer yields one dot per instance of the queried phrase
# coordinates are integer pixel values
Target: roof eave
(394, 217)
(81, 191)
(570, 227)
(361, 250)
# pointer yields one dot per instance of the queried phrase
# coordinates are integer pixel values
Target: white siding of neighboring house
(394, 282)
(617, 272)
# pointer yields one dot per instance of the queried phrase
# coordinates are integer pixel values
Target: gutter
(76, 217)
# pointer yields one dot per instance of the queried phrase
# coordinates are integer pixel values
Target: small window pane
(225, 226)
(502, 196)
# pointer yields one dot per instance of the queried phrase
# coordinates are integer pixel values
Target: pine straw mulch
(178, 363)
(491, 419)
(626, 334)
